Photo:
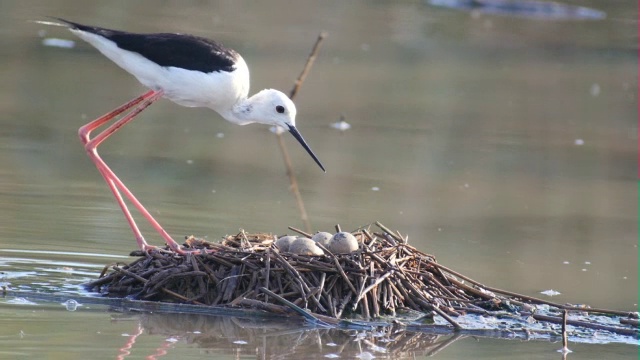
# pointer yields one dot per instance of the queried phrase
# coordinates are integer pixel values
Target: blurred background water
(505, 146)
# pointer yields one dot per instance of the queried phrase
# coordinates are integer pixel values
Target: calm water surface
(504, 146)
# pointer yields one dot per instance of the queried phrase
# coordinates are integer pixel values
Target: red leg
(114, 183)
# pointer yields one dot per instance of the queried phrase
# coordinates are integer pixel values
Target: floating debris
(20, 301)
(550, 292)
(341, 124)
(544, 10)
(60, 43)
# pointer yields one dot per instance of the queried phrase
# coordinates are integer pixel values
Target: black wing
(177, 50)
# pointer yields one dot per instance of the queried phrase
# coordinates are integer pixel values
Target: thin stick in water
(564, 331)
(283, 148)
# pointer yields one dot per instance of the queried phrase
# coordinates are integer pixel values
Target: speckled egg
(284, 243)
(343, 243)
(322, 237)
(304, 246)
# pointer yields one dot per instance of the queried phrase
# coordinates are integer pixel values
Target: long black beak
(296, 134)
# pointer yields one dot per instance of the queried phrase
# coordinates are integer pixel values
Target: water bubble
(71, 305)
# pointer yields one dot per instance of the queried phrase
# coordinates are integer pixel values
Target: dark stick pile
(385, 275)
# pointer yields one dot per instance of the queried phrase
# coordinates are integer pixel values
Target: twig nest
(304, 246)
(284, 243)
(322, 237)
(343, 243)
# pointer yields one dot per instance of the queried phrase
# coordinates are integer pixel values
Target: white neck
(246, 111)
(241, 113)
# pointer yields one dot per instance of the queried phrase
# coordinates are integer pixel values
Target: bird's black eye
(280, 109)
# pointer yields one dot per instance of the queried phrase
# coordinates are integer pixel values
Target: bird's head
(273, 107)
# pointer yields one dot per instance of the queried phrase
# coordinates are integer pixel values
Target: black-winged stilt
(189, 70)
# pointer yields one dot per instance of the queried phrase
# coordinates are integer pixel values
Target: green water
(506, 147)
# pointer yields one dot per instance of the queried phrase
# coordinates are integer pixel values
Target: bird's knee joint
(83, 134)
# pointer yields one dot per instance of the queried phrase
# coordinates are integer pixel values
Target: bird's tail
(49, 23)
(56, 21)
